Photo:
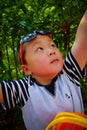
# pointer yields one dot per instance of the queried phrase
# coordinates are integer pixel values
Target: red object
(69, 126)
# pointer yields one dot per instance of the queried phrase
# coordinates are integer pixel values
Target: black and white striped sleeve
(15, 93)
(72, 69)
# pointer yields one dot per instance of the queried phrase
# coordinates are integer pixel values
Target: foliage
(61, 17)
(20, 17)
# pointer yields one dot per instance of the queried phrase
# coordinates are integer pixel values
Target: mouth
(54, 61)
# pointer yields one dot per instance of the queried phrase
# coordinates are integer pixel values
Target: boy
(52, 86)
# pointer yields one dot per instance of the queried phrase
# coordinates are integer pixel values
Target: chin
(58, 72)
(54, 74)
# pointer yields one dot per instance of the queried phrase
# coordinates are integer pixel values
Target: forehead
(39, 39)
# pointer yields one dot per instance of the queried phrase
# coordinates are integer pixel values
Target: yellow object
(68, 118)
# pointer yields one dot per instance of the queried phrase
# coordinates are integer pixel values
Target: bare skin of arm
(79, 49)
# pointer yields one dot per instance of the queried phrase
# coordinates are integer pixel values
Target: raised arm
(79, 49)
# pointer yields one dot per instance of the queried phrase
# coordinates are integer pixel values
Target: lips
(53, 61)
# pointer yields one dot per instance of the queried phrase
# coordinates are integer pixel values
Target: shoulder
(72, 69)
(15, 92)
(22, 81)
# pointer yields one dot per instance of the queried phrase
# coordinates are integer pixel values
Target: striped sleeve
(15, 93)
(72, 69)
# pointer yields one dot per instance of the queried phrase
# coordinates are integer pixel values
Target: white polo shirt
(40, 104)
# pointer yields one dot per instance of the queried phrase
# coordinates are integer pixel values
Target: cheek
(39, 68)
(41, 63)
(38, 64)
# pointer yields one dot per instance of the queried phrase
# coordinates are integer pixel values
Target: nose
(51, 52)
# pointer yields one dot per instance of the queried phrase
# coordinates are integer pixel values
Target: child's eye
(53, 45)
(39, 49)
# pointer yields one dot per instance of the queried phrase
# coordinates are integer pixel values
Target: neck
(44, 81)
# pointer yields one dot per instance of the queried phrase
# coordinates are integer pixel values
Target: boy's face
(43, 58)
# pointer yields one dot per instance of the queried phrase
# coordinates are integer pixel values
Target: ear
(26, 69)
